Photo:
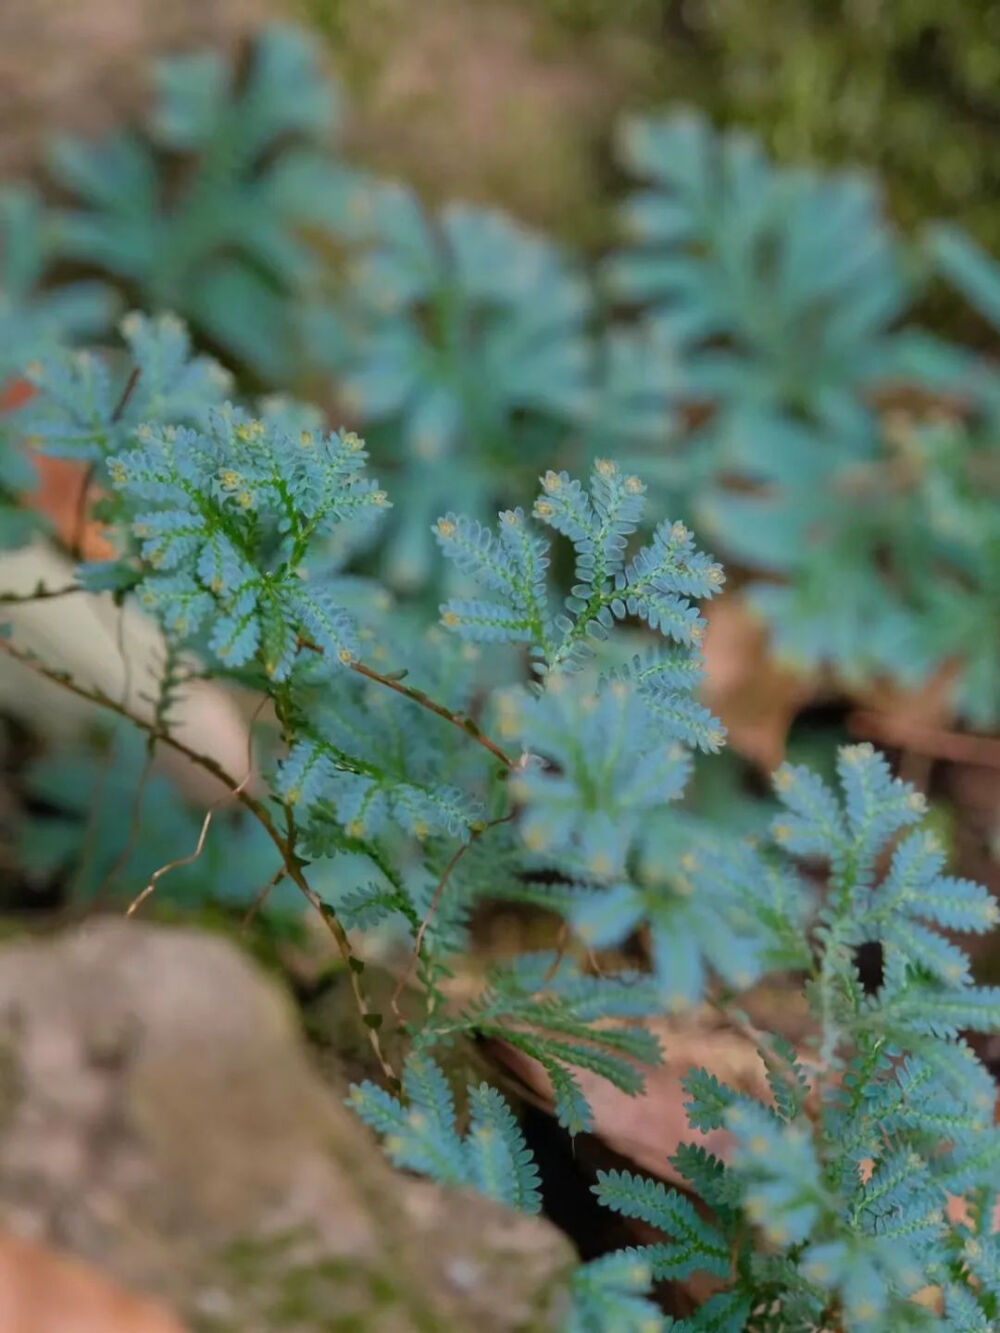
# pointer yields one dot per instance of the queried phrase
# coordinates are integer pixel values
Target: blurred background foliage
(715, 260)
(908, 88)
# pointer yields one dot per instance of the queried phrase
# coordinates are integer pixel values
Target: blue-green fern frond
(550, 1012)
(225, 246)
(599, 743)
(243, 505)
(36, 321)
(608, 1295)
(89, 412)
(458, 333)
(724, 245)
(501, 1164)
(420, 1135)
(694, 1245)
(657, 585)
(513, 566)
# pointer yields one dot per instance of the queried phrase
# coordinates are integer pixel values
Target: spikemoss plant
(429, 776)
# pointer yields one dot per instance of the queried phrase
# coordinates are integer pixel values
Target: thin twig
(262, 897)
(393, 682)
(147, 765)
(126, 661)
(260, 812)
(127, 392)
(90, 843)
(206, 824)
(562, 941)
(958, 747)
(210, 812)
(40, 594)
(93, 820)
(80, 517)
(105, 701)
(435, 903)
(140, 793)
(135, 820)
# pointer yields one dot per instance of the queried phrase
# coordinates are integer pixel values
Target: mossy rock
(911, 89)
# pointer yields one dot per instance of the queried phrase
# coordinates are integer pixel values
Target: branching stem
(460, 720)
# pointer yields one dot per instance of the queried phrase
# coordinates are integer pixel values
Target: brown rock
(159, 1116)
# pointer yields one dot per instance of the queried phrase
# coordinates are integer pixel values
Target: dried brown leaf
(755, 696)
(45, 1292)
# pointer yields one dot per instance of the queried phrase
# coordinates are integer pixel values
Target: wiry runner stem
(260, 812)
